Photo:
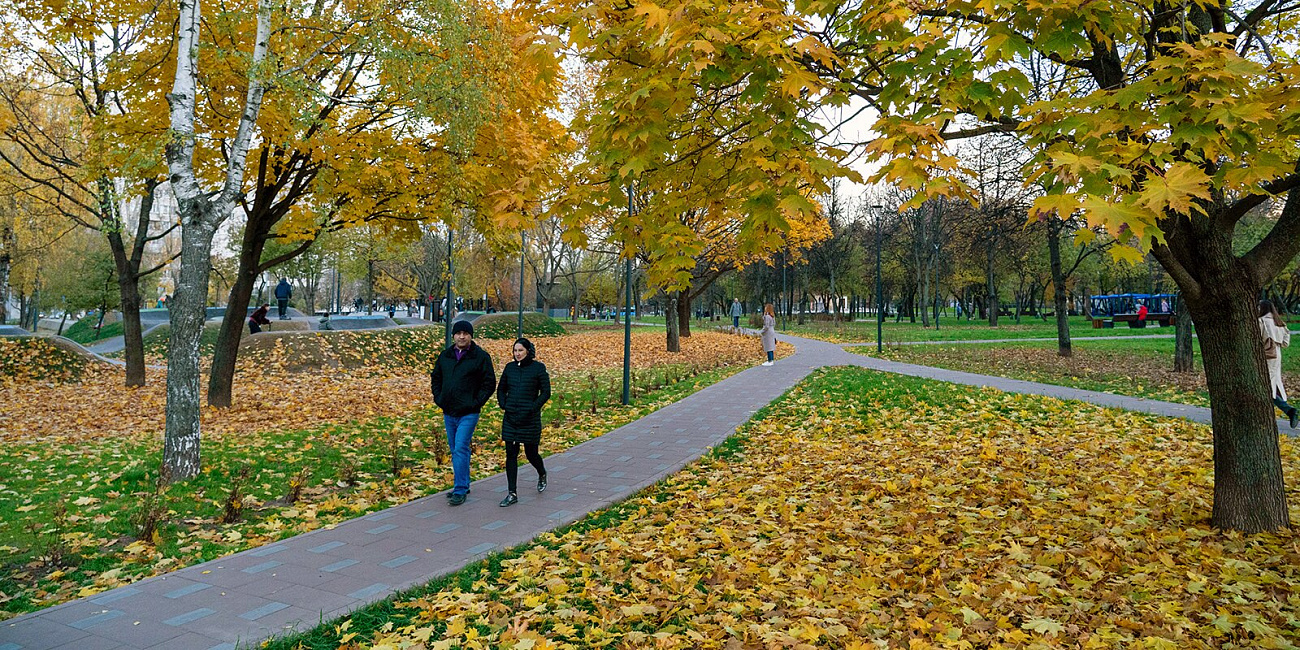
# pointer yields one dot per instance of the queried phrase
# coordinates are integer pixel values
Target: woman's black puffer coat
(521, 393)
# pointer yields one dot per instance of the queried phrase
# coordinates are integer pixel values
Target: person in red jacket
(1142, 313)
(258, 319)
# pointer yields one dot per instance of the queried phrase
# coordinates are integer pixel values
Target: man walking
(735, 313)
(462, 381)
(283, 292)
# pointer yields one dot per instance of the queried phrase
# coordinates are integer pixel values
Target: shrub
(505, 325)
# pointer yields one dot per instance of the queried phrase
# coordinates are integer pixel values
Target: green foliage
(155, 342)
(83, 331)
(505, 325)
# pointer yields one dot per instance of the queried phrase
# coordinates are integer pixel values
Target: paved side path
(299, 582)
(1043, 339)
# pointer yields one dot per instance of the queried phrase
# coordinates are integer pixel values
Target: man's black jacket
(462, 387)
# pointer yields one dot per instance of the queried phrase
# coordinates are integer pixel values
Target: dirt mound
(408, 347)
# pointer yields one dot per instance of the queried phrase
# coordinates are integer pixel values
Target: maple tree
(77, 100)
(1175, 122)
(349, 157)
(709, 119)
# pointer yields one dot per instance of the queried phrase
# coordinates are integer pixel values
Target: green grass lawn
(83, 331)
(1135, 367)
(953, 329)
(71, 515)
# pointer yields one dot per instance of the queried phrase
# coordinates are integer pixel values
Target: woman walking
(769, 333)
(1276, 337)
(522, 391)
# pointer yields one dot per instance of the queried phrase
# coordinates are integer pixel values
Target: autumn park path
(241, 599)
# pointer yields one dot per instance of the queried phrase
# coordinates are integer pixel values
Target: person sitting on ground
(522, 392)
(258, 319)
(1276, 336)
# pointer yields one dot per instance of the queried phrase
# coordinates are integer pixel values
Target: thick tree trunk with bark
(992, 287)
(683, 304)
(1249, 494)
(132, 333)
(224, 358)
(670, 319)
(1063, 347)
(1183, 358)
(181, 442)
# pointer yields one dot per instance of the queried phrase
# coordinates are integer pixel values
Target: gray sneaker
(1295, 418)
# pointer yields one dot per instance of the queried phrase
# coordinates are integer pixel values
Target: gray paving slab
(292, 584)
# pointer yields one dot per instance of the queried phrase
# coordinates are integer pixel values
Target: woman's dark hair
(528, 345)
(1266, 308)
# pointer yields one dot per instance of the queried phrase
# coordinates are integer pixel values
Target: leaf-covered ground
(78, 461)
(382, 376)
(868, 510)
(1139, 367)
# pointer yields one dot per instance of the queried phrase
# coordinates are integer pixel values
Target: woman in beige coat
(769, 333)
(1276, 337)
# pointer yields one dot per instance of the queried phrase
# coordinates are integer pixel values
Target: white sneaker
(767, 363)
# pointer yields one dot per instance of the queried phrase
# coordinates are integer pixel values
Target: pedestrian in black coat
(523, 390)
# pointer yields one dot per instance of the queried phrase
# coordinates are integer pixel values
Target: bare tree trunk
(187, 310)
(992, 287)
(683, 304)
(1063, 347)
(674, 343)
(1183, 358)
(221, 378)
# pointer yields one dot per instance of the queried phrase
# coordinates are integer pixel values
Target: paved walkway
(1042, 339)
(296, 583)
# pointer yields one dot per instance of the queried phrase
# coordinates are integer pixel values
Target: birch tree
(201, 211)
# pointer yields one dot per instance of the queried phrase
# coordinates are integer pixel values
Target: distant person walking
(258, 319)
(769, 333)
(736, 312)
(283, 292)
(462, 381)
(1276, 337)
(523, 391)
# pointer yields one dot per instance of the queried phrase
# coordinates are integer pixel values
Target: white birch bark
(200, 216)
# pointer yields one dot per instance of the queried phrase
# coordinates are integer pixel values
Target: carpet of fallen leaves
(268, 397)
(1111, 370)
(77, 468)
(869, 510)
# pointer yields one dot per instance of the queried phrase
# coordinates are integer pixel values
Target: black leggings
(512, 462)
(1281, 404)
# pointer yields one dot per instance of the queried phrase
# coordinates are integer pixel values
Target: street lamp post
(627, 311)
(880, 298)
(523, 247)
(446, 310)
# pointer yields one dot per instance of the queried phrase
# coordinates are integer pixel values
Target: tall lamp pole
(880, 298)
(446, 311)
(627, 310)
(523, 247)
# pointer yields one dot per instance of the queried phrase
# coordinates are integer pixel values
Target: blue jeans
(735, 322)
(460, 431)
